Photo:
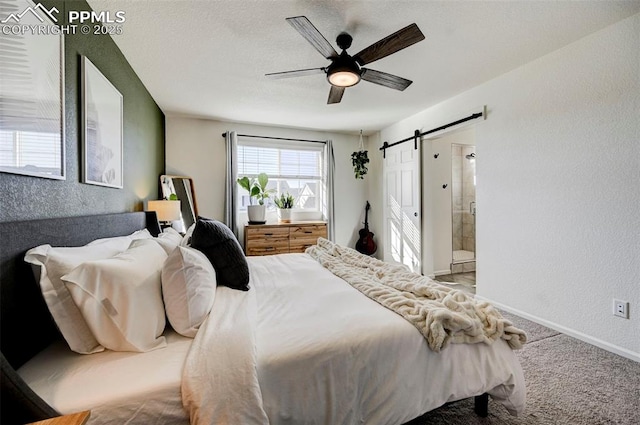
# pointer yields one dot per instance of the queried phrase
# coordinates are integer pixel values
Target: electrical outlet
(621, 308)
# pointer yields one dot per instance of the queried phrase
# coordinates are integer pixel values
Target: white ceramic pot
(257, 213)
(284, 215)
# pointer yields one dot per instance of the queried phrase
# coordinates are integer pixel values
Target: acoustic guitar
(366, 245)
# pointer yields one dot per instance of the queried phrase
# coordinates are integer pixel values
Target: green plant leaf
(245, 183)
(284, 201)
(263, 180)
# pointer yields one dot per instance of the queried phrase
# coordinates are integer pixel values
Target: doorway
(450, 176)
(463, 208)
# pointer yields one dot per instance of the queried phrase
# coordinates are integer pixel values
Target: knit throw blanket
(443, 315)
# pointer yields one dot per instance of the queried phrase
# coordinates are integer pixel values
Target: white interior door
(402, 194)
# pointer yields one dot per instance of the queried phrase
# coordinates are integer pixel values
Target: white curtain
(231, 187)
(329, 212)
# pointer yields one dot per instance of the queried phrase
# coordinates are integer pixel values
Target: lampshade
(165, 210)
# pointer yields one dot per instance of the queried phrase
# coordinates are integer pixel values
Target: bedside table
(79, 418)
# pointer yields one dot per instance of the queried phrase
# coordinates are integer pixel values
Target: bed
(301, 346)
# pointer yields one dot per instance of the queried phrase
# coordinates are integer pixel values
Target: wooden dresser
(282, 238)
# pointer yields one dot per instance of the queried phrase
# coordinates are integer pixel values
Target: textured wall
(558, 194)
(25, 197)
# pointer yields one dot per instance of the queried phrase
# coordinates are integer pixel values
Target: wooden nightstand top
(79, 418)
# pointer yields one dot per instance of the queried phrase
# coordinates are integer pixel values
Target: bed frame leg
(481, 405)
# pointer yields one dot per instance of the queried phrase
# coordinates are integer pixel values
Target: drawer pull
(308, 231)
(268, 234)
(269, 248)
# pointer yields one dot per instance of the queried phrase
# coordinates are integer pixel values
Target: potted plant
(359, 160)
(284, 204)
(258, 191)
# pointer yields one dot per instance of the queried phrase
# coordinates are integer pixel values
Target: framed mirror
(182, 188)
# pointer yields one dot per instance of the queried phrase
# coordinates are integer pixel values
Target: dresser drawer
(308, 231)
(302, 237)
(301, 244)
(266, 240)
(268, 249)
(267, 233)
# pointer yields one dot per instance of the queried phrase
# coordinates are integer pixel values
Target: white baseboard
(441, 272)
(571, 332)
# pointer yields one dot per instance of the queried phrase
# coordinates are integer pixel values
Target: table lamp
(167, 211)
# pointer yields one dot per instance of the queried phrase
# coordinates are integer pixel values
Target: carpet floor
(569, 382)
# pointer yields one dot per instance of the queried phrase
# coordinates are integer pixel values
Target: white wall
(558, 185)
(195, 148)
(374, 188)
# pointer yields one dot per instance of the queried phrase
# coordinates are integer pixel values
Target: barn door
(402, 194)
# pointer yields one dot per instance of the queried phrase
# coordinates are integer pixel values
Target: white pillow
(121, 299)
(186, 239)
(169, 239)
(58, 261)
(188, 289)
(138, 234)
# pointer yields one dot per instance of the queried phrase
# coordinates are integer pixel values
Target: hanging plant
(360, 159)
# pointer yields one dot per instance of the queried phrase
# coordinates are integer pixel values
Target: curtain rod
(417, 133)
(279, 138)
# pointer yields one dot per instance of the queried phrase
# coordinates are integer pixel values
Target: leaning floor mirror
(182, 188)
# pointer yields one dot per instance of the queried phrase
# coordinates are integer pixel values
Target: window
(31, 152)
(294, 167)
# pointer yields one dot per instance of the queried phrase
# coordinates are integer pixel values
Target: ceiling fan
(346, 70)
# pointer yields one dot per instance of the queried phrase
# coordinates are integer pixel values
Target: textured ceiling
(208, 58)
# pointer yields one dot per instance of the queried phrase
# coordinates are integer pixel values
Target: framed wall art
(102, 134)
(32, 138)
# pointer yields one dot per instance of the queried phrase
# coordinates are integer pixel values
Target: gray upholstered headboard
(26, 326)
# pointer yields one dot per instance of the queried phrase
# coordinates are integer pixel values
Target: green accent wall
(25, 197)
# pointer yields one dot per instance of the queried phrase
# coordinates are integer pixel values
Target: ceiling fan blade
(335, 94)
(384, 79)
(297, 73)
(313, 36)
(399, 40)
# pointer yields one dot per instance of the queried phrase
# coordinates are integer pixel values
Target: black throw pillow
(215, 240)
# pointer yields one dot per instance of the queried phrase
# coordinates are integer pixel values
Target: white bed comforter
(440, 313)
(304, 347)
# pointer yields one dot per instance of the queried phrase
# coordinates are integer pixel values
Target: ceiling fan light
(343, 78)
